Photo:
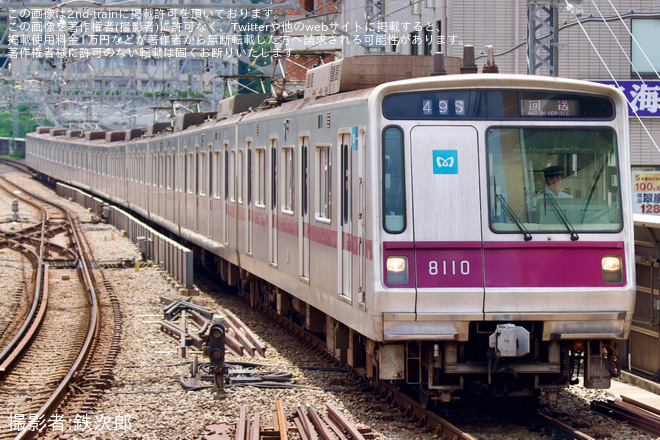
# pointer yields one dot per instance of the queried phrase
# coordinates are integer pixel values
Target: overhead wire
(571, 8)
(634, 39)
(619, 42)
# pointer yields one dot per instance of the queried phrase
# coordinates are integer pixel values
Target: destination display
(496, 104)
(549, 107)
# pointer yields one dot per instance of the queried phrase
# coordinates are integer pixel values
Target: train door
(303, 220)
(345, 221)
(178, 190)
(215, 213)
(209, 191)
(359, 214)
(162, 177)
(272, 214)
(171, 185)
(446, 219)
(202, 194)
(197, 187)
(225, 223)
(153, 205)
(248, 199)
(186, 186)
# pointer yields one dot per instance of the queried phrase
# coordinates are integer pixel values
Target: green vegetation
(26, 121)
(15, 155)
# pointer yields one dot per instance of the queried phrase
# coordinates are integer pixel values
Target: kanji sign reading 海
(643, 96)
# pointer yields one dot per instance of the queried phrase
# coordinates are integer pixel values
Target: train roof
(344, 81)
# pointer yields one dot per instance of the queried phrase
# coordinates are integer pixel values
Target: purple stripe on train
(507, 264)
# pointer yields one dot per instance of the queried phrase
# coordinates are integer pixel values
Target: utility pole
(542, 36)
(14, 117)
(374, 14)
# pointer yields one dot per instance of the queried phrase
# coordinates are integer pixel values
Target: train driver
(552, 176)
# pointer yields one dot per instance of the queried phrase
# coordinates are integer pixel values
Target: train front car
(506, 234)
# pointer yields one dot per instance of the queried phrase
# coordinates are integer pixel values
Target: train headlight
(612, 269)
(397, 270)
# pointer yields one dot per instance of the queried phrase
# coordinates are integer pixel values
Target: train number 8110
(450, 267)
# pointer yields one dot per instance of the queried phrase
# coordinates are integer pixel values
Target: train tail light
(397, 270)
(612, 273)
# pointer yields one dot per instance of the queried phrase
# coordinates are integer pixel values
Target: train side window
(169, 172)
(161, 171)
(154, 170)
(288, 187)
(249, 174)
(194, 179)
(324, 183)
(201, 174)
(260, 197)
(226, 171)
(217, 175)
(239, 176)
(273, 176)
(394, 194)
(185, 171)
(209, 172)
(232, 186)
(304, 176)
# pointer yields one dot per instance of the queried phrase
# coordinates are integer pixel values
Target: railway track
(39, 364)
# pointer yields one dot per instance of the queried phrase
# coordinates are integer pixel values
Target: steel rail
(8, 355)
(13, 350)
(56, 398)
(557, 429)
(418, 412)
(619, 410)
(339, 418)
(281, 420)
(19, 166)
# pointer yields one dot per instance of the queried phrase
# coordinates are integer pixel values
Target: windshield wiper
(553, 204)
(513, 217)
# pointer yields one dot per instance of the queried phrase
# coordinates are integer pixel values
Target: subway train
(437, 232)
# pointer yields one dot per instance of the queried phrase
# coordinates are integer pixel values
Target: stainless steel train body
(410, 224)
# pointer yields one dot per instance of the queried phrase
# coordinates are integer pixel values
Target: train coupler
(509, 340)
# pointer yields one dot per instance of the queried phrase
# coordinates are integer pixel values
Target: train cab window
(393, 191)
(552, 179)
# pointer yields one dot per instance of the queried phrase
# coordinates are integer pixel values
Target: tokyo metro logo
(445, 161)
